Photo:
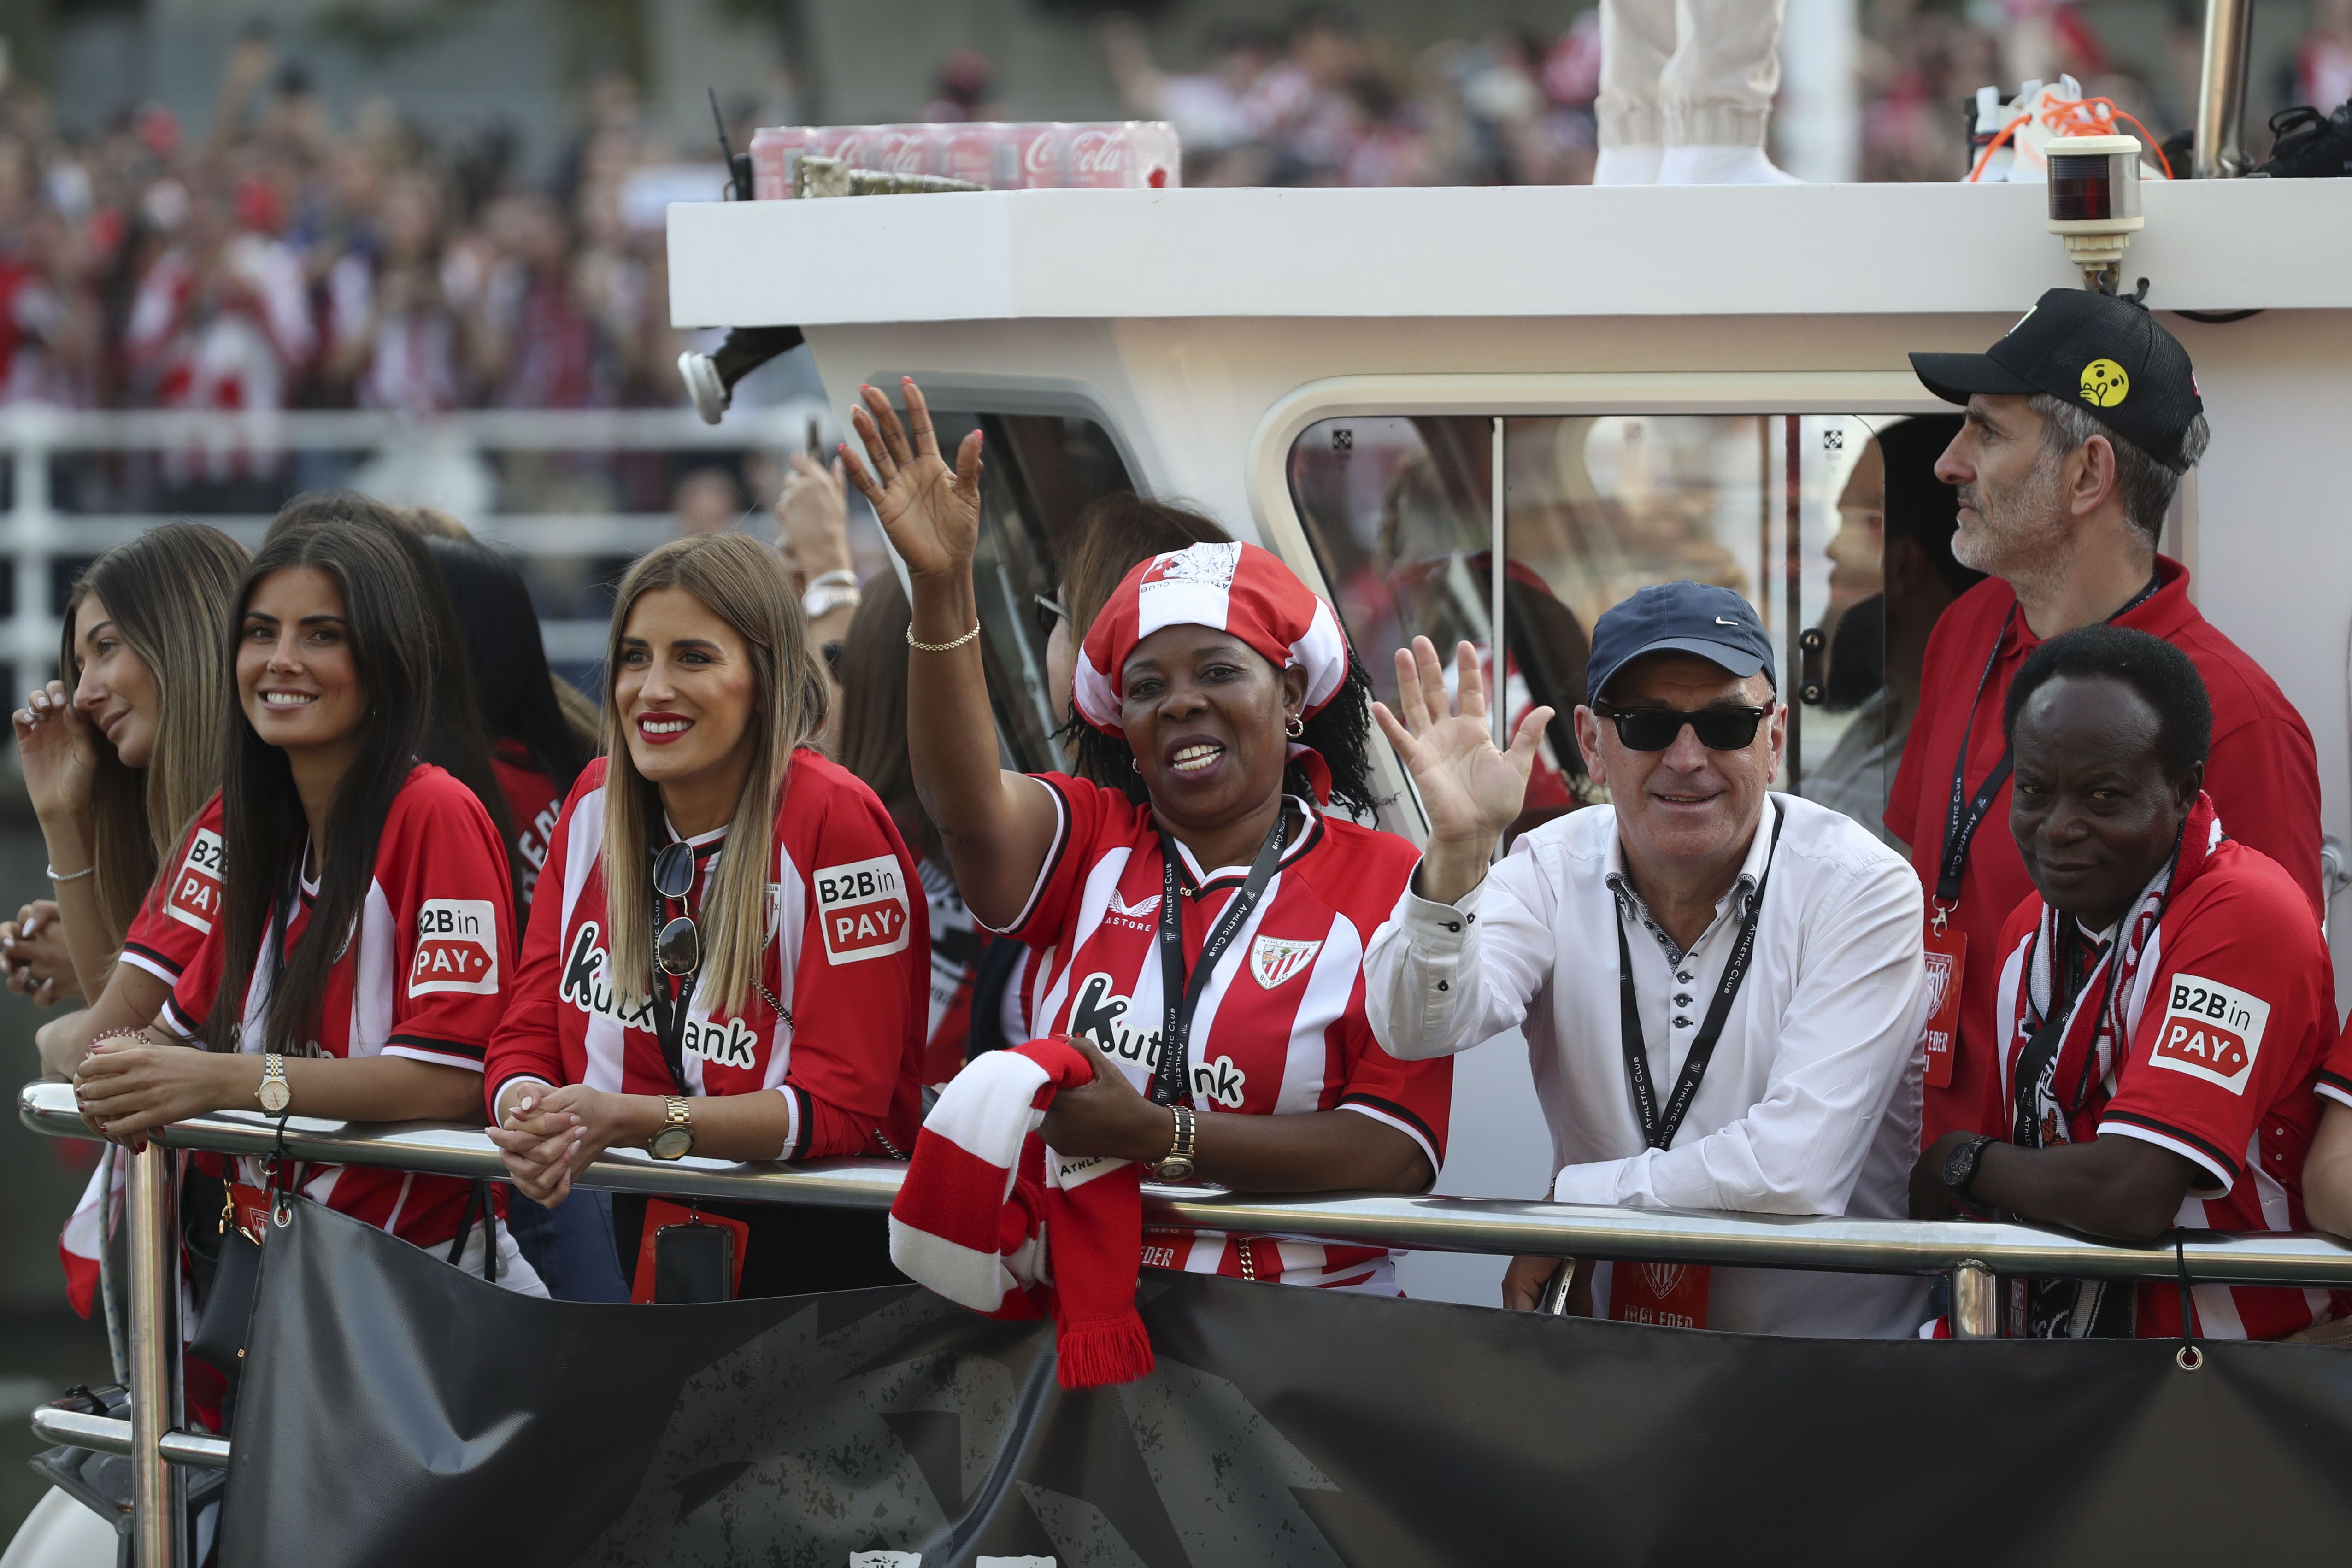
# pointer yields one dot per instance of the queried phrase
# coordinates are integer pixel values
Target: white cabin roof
(1495, 251)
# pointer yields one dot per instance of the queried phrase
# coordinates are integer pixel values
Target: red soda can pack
(1113, 155)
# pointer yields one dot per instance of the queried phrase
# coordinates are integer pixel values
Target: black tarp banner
(400, 1412)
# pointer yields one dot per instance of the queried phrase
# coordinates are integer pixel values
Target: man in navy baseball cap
(1691, 617)
(1719, 985)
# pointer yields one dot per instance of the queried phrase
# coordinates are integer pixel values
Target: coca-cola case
(998, 156)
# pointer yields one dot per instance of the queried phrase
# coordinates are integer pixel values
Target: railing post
(1975, 1305)
(2219, 152)
(156, 1489)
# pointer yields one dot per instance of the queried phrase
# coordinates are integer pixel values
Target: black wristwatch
(1961, 1167)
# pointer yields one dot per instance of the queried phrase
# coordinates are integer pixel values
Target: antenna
(739, 164)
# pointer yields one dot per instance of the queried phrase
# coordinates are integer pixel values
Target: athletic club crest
(1661, 1279)
(1939, 981)
(1274, 960)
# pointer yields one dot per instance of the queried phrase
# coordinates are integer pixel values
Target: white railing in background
(37, 533)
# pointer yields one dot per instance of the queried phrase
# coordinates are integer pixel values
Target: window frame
(1891, 394)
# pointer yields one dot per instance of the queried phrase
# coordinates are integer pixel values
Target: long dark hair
(506, 655)
(264, 829)
(455, 740)
(873, 710)
(170, 594)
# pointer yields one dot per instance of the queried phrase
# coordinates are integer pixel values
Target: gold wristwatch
(1177, 1166)
(675, 1140)
(275, 1092)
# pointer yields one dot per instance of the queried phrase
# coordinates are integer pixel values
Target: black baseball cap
(2100, 354)
(1688, 617)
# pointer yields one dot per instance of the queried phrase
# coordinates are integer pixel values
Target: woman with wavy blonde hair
(729, 951)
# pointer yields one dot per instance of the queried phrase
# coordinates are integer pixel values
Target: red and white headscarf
(1239, 588)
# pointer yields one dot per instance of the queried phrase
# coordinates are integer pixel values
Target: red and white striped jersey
(423, 976)
(178, 912)
(1280, 1026)
(2232, 1010)
(848, 957)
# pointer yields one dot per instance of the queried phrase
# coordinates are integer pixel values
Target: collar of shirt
(1731, 906)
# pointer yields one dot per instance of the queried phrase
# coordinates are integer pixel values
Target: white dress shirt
(1810, 1102)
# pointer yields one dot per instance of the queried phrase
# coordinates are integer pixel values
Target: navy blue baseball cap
(1688, 617)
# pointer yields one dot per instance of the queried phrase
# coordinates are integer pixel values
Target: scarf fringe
(1105, 1351)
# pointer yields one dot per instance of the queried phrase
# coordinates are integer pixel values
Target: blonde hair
(743, 583)
(172, 594)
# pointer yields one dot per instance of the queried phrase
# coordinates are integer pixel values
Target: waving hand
(930, 511)
(1471, 790)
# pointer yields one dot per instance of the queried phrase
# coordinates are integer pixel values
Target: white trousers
(1687, 73)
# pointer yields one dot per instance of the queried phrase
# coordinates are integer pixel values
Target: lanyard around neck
(1967, 812)
(1171, 1078)
(1658, 1132)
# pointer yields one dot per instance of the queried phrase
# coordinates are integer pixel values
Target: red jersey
(532, 806)
(2335, 1072)
(1280, 1026)
(423, 976)
(848, 959)
(2263, 777)
(178, 912)
(2227, 1014)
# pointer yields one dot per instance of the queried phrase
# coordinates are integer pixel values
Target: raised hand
(1471, 790)
(930, 511)
(58, 745)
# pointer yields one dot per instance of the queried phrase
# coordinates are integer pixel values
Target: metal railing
(1971, 1253)
(35, 531)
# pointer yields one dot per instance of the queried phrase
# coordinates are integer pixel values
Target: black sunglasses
(677, 947)
(1655, 729)
(1049, 610)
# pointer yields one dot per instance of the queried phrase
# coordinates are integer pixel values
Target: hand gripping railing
(1971, 1253)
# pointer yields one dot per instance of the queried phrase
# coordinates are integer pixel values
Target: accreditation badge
(1671, 1295)
(1947, 953)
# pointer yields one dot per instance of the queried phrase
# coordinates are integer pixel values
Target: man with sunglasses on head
(1720, 986)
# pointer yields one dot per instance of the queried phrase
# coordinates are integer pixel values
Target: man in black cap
(1721, 986)
(2080, 424)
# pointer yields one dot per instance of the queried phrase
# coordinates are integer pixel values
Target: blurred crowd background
(427, 204)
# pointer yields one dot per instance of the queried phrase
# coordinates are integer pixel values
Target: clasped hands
(546, 1136)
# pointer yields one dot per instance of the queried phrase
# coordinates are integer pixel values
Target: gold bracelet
(940, 647)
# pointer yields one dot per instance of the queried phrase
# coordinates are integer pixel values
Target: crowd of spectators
(288, 257)
(1329, 101)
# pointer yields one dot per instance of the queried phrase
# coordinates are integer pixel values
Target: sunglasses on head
(1655, 729)
(1048, 612)
(678, 947)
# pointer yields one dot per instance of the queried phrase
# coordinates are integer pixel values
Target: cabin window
(1784, 509)
(1039, 474)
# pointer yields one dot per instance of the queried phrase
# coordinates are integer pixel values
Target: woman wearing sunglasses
(1199, 920)
(727, 953)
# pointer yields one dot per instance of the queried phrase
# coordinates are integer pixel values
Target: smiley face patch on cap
(2104, 383)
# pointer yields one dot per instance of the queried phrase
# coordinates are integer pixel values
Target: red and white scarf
(992, 1219)
(2107, 1011)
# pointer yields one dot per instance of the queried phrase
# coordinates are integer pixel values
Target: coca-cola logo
(1037, 158)
(901, 154)
(1098, 153)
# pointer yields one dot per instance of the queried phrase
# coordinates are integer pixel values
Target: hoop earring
(1295, 728)
(1133, 763)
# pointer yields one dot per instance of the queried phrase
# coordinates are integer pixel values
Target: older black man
(2165, 1002)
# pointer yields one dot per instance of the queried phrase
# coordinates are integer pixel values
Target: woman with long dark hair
(366, 925)
(533, 750)
(729, 951)
(1223, 714)
(123, 767)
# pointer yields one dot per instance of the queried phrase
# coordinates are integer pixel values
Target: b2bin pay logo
(863, 908)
